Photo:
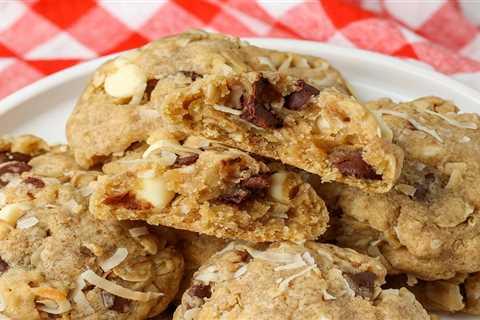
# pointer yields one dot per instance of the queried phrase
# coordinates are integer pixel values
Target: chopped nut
(187, 160)
(155, 192)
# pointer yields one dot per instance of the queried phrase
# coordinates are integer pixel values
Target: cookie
(206, 187)
(459, 294)
(428, 225)
(288, 281)
(325, 132)
(56, 260)
(116, 110)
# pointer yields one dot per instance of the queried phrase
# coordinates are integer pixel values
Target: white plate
(43, 107)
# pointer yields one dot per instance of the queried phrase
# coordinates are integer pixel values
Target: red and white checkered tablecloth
(38, 37)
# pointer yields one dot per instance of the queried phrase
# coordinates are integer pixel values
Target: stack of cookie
(205, 178)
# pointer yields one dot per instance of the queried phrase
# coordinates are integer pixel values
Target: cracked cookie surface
(116, 110)
(205, 187)
(56, 260)
(288, 281)
(429, 224)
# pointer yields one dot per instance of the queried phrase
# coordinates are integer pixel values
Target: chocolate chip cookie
(288, 281)
(429, 224)
(116, 110)
(57, 261)
(203, 186)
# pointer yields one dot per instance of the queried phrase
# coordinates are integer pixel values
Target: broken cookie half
(205, 187)
(325, 132)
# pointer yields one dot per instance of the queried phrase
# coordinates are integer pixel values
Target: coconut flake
(240, 272)
(226, 109)
(210, 274)
(465, 139)
(284, 283)
(117, 258)
(414, 123)
(25, 223)
(138, 232)
(148, 114)
(146, 174)
(117, 290)
(170, 146)
(267, 62)
(275, 257)
(55, 306)
(293, 265)
(3, 303)
(79, 297)
(453, 122)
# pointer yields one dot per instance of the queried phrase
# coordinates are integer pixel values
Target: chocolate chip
(127, 201)
(256, 182)
(351, 163)
(151, 84)
(238, 196)
(257, 107)
(187, 160)
(115, 303)
(37, 183)
(14, 167)
(298, 99)
(192, 75)
(6, 156)
(3, 266)
(362, 283)
(201, 291)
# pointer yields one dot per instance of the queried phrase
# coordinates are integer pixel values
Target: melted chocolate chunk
(14, 156)
(187, 160)
(351, 163)
(3, 266)
(237, 197)
(200, 291)
(14, 167)
(298, 99)
(151, 84)
(37, 183)
(362, 283)
(257, 108)
(248, 188)
(256, 182)
(127, 201)
(192, 75)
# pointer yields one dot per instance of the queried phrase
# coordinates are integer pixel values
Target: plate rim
(51, 81)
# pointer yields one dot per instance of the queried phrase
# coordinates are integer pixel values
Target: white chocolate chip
(154, 191)
(278, 190)
(12, 212)
(127, 81)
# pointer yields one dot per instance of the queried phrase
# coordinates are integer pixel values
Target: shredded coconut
(25, 223)
(55, 307)
(170, 146)
(226, 109)
(414, 123)
(210, 274)
(117, 290)
(117, 258)
(465, 139)
(79, 297)
(267, 62)
(240, 272)
(453, 122)
(138, 232)
(284, 284)
(3, 303)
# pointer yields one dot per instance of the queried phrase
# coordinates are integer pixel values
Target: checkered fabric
(40, 37)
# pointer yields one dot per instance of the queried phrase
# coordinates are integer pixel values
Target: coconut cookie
(288, 281)
(57, 261)
(116, 108)
(324, 132)
(205, 187)
(429, 224)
